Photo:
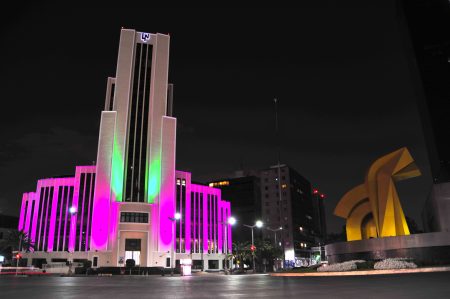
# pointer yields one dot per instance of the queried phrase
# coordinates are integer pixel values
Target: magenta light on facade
(167, 184)
(103, 188)
(25, 208)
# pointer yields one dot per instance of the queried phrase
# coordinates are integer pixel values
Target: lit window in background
(222, 183)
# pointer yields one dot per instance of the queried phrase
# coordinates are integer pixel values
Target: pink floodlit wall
(167, 193)
(56, 183)
(25, 210)
(39, 219)
(43, 220)
(81, 201)
(43, 224)
(214, 212)
(102, 196)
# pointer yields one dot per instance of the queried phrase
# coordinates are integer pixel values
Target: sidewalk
(366, 272)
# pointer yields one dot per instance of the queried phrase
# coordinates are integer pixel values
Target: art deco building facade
(124, 206)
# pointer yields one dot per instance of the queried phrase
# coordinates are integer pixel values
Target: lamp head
(259, 224)
(231, 221)
(177, 216)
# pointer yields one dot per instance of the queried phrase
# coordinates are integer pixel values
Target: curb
(368, 272)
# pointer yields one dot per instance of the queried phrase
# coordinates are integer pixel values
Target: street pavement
(421, 285)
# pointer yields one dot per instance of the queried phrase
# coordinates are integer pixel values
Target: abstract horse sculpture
(373, 209)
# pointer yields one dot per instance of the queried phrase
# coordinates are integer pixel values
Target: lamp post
(172, 253)
(258, 224)
(230, 221)
(277, 139)
(18, 256)
(275, 234)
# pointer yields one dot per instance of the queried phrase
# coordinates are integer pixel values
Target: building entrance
(133, 250)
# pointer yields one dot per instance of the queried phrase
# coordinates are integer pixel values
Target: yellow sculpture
(373, 209)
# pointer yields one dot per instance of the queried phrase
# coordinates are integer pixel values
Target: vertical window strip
(65, 210)
(111, 96)
(30, 230)
(39, 218)
(48, 218)
(144, 123)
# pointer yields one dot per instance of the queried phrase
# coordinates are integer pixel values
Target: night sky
(339, 71)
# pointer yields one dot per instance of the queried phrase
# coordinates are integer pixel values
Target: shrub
(366, 265)
(395, 263)
(129, 263)
(339, 267)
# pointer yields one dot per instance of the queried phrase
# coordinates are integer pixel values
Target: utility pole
(277, 139)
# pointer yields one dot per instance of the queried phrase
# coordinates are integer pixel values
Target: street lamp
(230, 221)
(174, 219)
(275, 232)
(258, 224)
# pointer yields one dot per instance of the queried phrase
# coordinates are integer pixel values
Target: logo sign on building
(145, 37)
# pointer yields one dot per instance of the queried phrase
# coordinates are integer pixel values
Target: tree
(242, 253)
(16, 241)
(266, 251)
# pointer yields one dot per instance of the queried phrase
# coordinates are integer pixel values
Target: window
(267, 195)
(134, 217)
(267, 203)
(266, 188)
(213, 264)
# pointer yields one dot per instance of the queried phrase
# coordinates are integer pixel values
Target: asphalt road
(421, 285)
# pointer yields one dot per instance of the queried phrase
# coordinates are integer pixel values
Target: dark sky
(339, 72)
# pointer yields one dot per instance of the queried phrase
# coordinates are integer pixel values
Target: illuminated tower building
(134, 190)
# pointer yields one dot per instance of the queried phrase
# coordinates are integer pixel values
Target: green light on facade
(117, 172)
(154, 180)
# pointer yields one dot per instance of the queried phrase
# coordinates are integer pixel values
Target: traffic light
(18, 256)
(253, 248)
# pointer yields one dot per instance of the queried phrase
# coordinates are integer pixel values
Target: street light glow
(177, 216)
(72, 210)
(231, 221)
(259, 224)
